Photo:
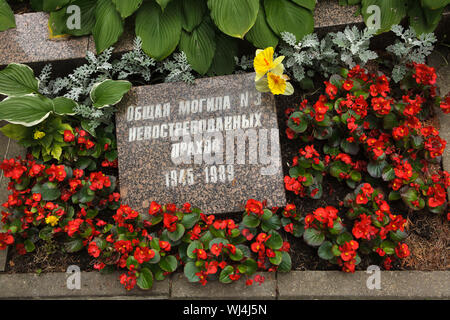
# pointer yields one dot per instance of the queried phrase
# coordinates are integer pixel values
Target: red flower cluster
(6, 239)
(347, 259)
(322, 218)
(83, 139)
(424, 75)
(254, 206)
(320, 108)
(445, 104)
(99, 181)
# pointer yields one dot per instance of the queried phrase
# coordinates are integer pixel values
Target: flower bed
(362, 134)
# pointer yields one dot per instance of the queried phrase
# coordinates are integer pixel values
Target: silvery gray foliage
(177, 69)
(44, 79)
(78, 84)
(93, 116)
(327, 55)
(353, 46)
(409, 48)
(244, 63)
(308, 56)
(135, 62)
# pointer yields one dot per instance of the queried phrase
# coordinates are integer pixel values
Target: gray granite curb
(339, 285)
(93, 285)
(296, 285)
(182, 289)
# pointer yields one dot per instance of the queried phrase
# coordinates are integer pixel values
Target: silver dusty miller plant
(349, 48)
(177, 69)
(408, 49)
(312, 55)
(353, 46)
(309, 55)
(135, 63)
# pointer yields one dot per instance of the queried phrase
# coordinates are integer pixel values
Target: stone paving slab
(93, 284)
(300, 285)
(182, 289)
(125, 43)
(329, 13)
(29, 42)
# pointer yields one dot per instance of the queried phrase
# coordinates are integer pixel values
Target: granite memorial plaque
(213, 144)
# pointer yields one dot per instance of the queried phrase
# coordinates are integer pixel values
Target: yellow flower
(39, 135)
(52, 220)
(264, 62)
(277, 84)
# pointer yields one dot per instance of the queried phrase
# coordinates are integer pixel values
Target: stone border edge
(295, 285)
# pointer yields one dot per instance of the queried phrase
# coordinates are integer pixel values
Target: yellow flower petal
(278, 70)
(277, 84)
(262, 85)
(289, 89)
(278, 61)
(263, 62)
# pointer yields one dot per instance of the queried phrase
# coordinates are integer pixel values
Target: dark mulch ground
(20, 7)
(47, 258)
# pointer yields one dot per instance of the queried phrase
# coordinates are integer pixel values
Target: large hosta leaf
(423, 20)
(234, 17)
(199, 46)
(109, 92)
(160, 31)
(7, 19)
(283, 15)
(128, 7)
(60, 19)
(37, 5)
(392, 12)
(108, 26)
(434, 4)
(52, 5)
(308, 4)
(226, 49)
(18, 80)
(193, 12)
(27, 110)
(64, 106)
(163, 3)
(260, 35)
